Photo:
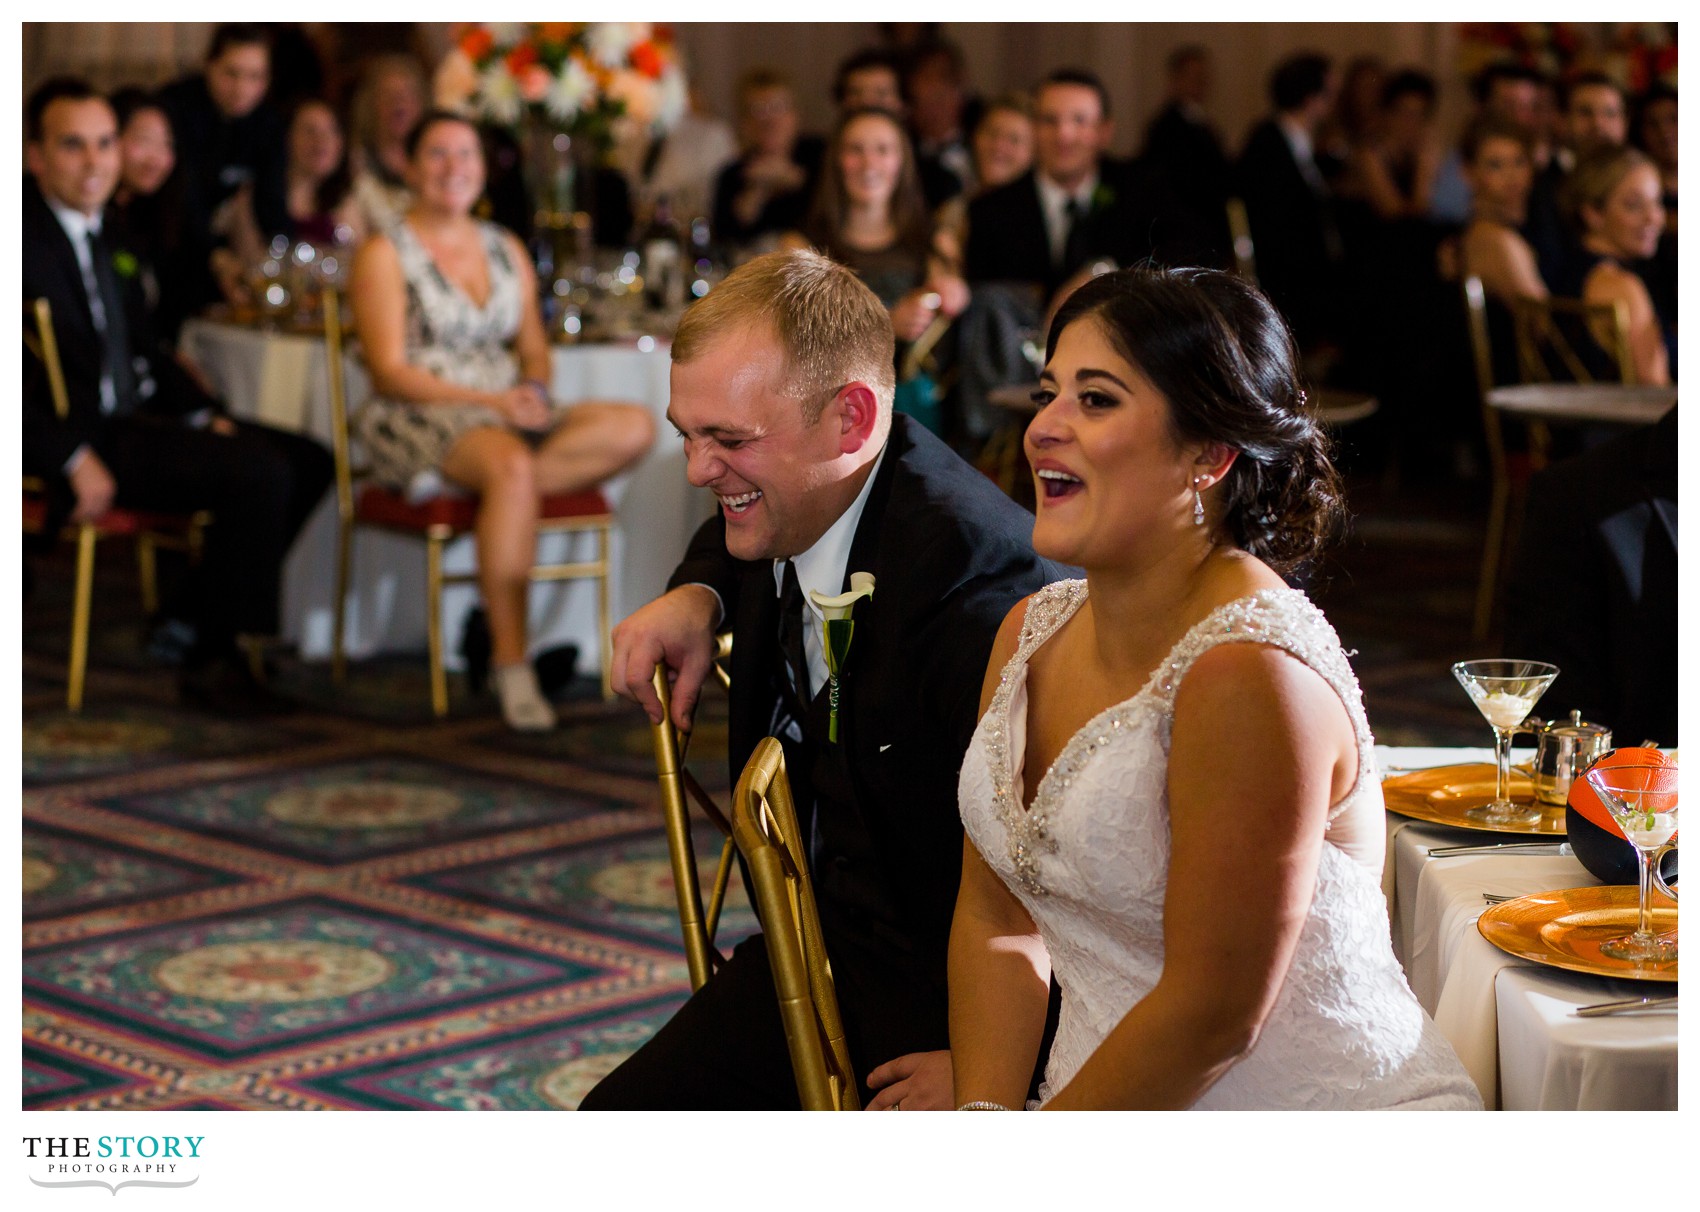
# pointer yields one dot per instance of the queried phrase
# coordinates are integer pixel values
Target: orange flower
(477, 43)
(554, 31)
(534, 82)
(646, 58)
(521, 57)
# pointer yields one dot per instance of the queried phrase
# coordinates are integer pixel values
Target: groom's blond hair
(832, 329)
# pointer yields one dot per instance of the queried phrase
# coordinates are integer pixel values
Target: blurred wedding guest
(142, 431)
(1498, 166)
(1393, 167)
(143, 210)
(683, 165)
(1612, 202)
(767, 190)
(869, 215)
(1289, 205)
(1596, 117)
(1359, 111)
(869, 79)
(390, 98)
(447, 312)
(1075, 207)
(1185, 146)
(1178, 467)
(1003, 151)
(941, 118)
(231, 155)
(320, 203)
(1593, 582)
(1505, 92)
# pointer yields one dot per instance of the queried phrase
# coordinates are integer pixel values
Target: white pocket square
(883, 748)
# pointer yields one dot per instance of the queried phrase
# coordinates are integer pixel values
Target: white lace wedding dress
(1089, 860)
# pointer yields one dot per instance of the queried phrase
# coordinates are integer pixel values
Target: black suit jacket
(1293, 231)
(50, 271)
(1131, 220)
(950, 555)
(1593, 585)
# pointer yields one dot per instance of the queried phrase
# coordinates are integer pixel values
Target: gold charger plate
(1443, 795)
(1564, 929)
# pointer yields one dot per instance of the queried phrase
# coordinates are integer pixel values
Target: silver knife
(1601, 1009)
(1558, 848)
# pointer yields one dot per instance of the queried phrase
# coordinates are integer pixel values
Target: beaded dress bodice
(1089, 861)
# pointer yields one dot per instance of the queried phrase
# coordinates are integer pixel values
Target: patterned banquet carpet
(353, 906)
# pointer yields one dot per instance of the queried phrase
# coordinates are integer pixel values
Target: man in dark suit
(141, 431)
(1593, 584)
(1596, 117)
(782, 390)
(1288, 202)
(1183, 145)
(1075, 207)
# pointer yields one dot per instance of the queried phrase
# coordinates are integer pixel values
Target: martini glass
(1504, 692)
(1642, 800)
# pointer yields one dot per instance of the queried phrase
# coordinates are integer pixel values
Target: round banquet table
(1610, 403)
(1511, 1021)
(281, 378)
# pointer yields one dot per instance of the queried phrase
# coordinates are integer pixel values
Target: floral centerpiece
(594, 82)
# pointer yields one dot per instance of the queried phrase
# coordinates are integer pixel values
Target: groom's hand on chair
(678, 628)
(920, 1081)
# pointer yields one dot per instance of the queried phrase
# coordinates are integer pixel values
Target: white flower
(611, 42)
(840, 605)
(505, 33)
(455, 82)
(498, 94)
(574, 90)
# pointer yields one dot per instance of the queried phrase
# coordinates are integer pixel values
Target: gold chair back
(1239, 229)
(679, 789)
(38, 337)
(1544, 347)
(764, 823)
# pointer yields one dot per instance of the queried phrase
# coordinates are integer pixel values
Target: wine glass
(1504, 692)
(1642, 800)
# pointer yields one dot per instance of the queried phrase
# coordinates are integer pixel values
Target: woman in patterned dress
(447, 313)
(1171, 800)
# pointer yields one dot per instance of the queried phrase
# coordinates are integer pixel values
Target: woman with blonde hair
(392, 95)
(1613, 202)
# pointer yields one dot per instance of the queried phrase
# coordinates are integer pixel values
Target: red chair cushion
(112, 522)
(381, 506)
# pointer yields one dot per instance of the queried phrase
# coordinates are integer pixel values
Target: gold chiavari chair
(764, 823)
(439, 522)
(679, 789)
(1547, 332)
(151, 531)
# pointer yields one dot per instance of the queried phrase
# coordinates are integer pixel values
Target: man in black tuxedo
(1075, 207)
(1596, 117)
(1288, 202)
(1183, 145)
(141, 431)
(1593, 584)
(782, 390)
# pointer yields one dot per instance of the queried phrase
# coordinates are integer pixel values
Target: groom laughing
(782, 389)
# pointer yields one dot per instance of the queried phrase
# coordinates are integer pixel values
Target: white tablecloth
(281, 379)
(1510, 1021)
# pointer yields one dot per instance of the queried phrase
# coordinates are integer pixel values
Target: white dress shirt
(1054, 200)
(822, 568)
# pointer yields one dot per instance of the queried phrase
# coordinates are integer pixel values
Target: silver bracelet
(982, 1104)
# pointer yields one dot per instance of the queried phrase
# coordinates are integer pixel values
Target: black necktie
(1074, 235)
(791, 632)
(115, 331)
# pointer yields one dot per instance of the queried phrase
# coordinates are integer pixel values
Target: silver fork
(1634, 1004)
(1496, 898)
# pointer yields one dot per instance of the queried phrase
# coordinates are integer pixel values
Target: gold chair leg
(84, 591)
(434, 624)
(147, 567)
(339, 603)
(604, 614)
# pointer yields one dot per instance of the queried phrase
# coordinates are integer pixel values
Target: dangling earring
(1197, 502)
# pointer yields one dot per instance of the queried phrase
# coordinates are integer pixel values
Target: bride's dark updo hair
(1224, 360)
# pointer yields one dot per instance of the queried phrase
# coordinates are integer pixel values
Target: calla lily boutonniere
(836, 633)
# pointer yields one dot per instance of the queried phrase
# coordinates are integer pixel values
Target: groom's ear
(857, 411)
